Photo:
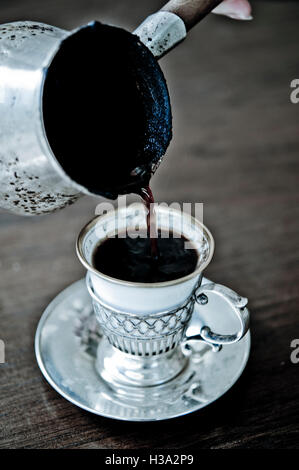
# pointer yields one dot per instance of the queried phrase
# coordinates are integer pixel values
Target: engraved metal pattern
(87, 329)
(144, 335)
(205, 378)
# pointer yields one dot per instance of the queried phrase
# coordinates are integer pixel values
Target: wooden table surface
(235, 149)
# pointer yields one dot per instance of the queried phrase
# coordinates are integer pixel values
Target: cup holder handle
(238, 306)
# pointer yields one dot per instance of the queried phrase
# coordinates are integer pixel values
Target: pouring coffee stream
(148, 198)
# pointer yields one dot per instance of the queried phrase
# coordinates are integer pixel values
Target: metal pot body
(31, 180)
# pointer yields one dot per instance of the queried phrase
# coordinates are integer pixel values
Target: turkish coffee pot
(85, 111)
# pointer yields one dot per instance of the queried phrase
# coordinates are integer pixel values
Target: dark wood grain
(235, 149)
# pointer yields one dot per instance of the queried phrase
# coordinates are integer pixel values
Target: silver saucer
(68, 337)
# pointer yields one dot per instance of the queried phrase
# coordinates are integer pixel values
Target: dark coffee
(130, 259)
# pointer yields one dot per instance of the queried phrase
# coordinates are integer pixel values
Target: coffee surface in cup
(130, 259)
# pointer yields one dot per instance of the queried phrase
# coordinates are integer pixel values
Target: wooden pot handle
(191, 11)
